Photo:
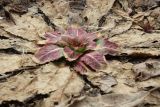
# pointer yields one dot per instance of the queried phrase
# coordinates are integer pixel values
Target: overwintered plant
(85, 50)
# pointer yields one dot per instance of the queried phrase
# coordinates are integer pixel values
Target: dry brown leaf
(132, 38)
(122, 72)
(57, 12)
(135, 42)
(44, 80)
(152, 99)
(141, 52)
(18, 44)
(113, 100)
(9, 63)
(28, 26)
(149, 3)
(117, 77)
(121, 27)
(99, 8)
(148, 84)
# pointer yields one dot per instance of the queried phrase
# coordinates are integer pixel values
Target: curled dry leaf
(18, 8)
(103, 81)
(77, 45)
(113, 100)
(147, 70)
(153, 98)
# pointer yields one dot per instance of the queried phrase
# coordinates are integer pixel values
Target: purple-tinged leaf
(91, 45)
(75, 37)
(95, 60)
(110, 44)
(104, 46)
(91, 36)
(80, 67)
(71, 41)
(53, 37)
(49, 53)
(76, 32)
(81, 34)
(71, 55)
(78, 38)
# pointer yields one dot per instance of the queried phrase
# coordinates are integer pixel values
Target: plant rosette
(86, 50)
